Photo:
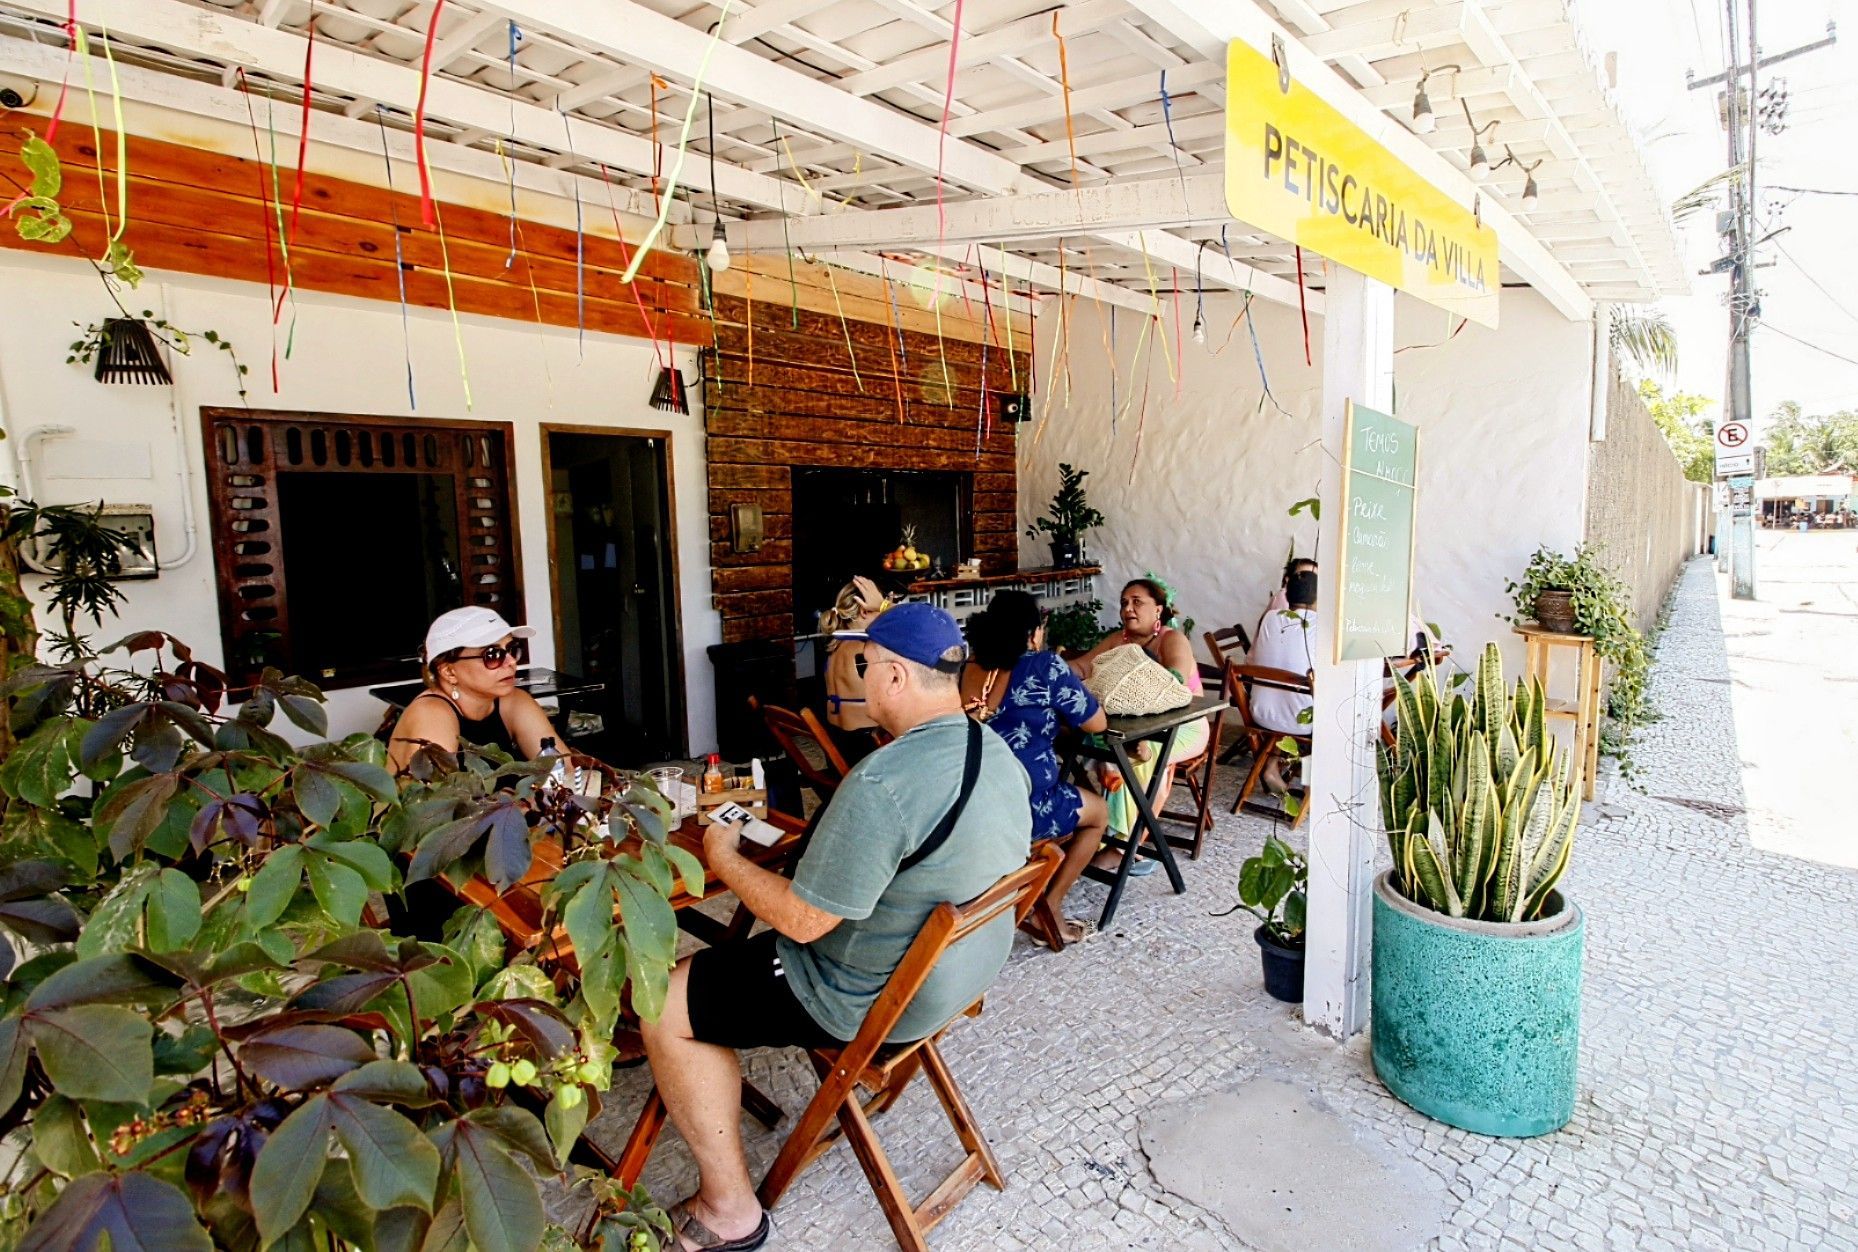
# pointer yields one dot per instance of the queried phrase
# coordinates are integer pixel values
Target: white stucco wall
(347, 359)
(1503, 418)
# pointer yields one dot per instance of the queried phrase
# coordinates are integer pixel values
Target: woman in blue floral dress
(1027, 695)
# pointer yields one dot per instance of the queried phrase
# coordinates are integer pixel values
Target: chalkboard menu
(1380, 471)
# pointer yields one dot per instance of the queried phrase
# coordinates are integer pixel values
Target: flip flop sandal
(688, 1225)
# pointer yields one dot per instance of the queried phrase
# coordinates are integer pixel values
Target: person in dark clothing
(470, 661)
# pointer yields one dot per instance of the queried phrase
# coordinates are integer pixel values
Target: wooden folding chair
(886, 1069)
(808, 744)
(1228, 646)
(1197, 773)
(1241, 680)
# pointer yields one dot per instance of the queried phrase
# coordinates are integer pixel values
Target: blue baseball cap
(916, 632)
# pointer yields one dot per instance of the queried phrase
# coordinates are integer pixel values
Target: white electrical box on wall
(135, 520)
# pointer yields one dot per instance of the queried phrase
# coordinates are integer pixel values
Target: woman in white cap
(470, 661)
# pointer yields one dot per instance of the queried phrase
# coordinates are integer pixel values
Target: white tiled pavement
(1719, 1080)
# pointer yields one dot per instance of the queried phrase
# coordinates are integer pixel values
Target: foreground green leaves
(208, 1044)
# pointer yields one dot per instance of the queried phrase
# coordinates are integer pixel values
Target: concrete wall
(1642, 512)
(347, 359)
(1503, 418)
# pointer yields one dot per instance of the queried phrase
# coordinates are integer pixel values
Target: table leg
(1150, 822)
(1140, 828)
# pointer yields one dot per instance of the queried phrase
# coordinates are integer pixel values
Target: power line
(1820, 287)
(1804, 344)
(1811, 191)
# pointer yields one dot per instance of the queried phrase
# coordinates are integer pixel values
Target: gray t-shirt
(881, 813)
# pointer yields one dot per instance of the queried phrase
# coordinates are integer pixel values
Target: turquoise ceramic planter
(1478, 1024)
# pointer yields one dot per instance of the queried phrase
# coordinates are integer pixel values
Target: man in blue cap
(941, 814)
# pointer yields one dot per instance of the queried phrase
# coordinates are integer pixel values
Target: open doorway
(613, 570)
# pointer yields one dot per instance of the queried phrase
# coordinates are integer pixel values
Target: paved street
(1793, 656)
(1719, 1082)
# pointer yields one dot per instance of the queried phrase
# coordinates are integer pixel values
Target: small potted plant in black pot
(1070, 515)
(1273, 886)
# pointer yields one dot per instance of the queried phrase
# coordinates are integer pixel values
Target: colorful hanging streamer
(393, 207)
(683, 144)
(264, 200)
(64, 87)
(1167, 116)
(896, 370)
(1064, 79)
(303, 128)
(427, 210)
(113, 235)
(645, 313)
(844, 327)
(948, 100)
(1303, 307)
(451, 300)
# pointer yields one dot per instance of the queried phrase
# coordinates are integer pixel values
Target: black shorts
(739, 998)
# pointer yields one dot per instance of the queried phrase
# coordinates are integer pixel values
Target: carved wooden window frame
(246, 449)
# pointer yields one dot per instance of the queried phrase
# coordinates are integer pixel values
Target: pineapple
(908, 552)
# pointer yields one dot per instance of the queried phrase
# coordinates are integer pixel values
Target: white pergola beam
(1022, 269)
(184, 28)
(1116, 95)
(363, 136)
(1183, 255)
(1208, 25)
(628, 32)
(932, 62)
(1115, 206)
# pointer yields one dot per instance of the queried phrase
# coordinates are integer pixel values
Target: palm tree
(1645, 335)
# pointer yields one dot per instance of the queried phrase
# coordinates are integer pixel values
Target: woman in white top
(1286, 640)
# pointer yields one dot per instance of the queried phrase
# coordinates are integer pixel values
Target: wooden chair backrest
(1241, 679)
(807, 743)
(1221, 644)
(947, 926)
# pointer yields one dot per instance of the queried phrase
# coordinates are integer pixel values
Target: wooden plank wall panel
(791, 396)
(203, 212)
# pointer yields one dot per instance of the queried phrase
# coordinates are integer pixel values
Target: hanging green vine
(40, 218)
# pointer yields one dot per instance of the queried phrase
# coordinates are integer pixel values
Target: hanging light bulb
(718, 255)
(1529, 191)
(1480, 163)
(1423, 121)
(1199, 329)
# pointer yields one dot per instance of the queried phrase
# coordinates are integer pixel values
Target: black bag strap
(970, 773)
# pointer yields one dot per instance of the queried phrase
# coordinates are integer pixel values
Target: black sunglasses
(861, 663)
(493, 656)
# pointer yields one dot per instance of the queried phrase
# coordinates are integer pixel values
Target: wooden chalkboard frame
(1343, 639)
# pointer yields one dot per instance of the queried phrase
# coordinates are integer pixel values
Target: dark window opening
(358, 552)
(846, 520)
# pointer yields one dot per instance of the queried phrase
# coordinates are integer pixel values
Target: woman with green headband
(1148, 610)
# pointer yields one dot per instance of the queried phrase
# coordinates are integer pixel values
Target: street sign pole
(1735, 468)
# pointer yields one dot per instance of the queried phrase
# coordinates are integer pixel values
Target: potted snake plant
(1477, 955)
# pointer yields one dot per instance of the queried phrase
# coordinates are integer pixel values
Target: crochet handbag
(1130, 683)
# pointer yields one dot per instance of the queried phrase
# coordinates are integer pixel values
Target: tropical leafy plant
(1603, 611)
(43, 219)
(1478, 800)
(1073, 629)
(205, 1040)
(1069, 514)
(1273, 886)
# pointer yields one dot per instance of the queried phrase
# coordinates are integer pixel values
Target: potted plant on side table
(1477, 956)
(1068, 518)
(1273, 887)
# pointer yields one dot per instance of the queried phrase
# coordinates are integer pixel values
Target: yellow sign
(1297, 168)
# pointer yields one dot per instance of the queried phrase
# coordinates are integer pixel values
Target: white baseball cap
(470, 627)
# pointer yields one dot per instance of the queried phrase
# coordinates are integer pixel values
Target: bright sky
(1811, 289)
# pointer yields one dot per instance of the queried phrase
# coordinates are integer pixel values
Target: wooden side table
(1584, 710)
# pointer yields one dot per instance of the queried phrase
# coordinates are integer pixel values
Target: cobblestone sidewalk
(1719, 1080)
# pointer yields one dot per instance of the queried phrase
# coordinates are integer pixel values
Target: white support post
(1358, 334)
